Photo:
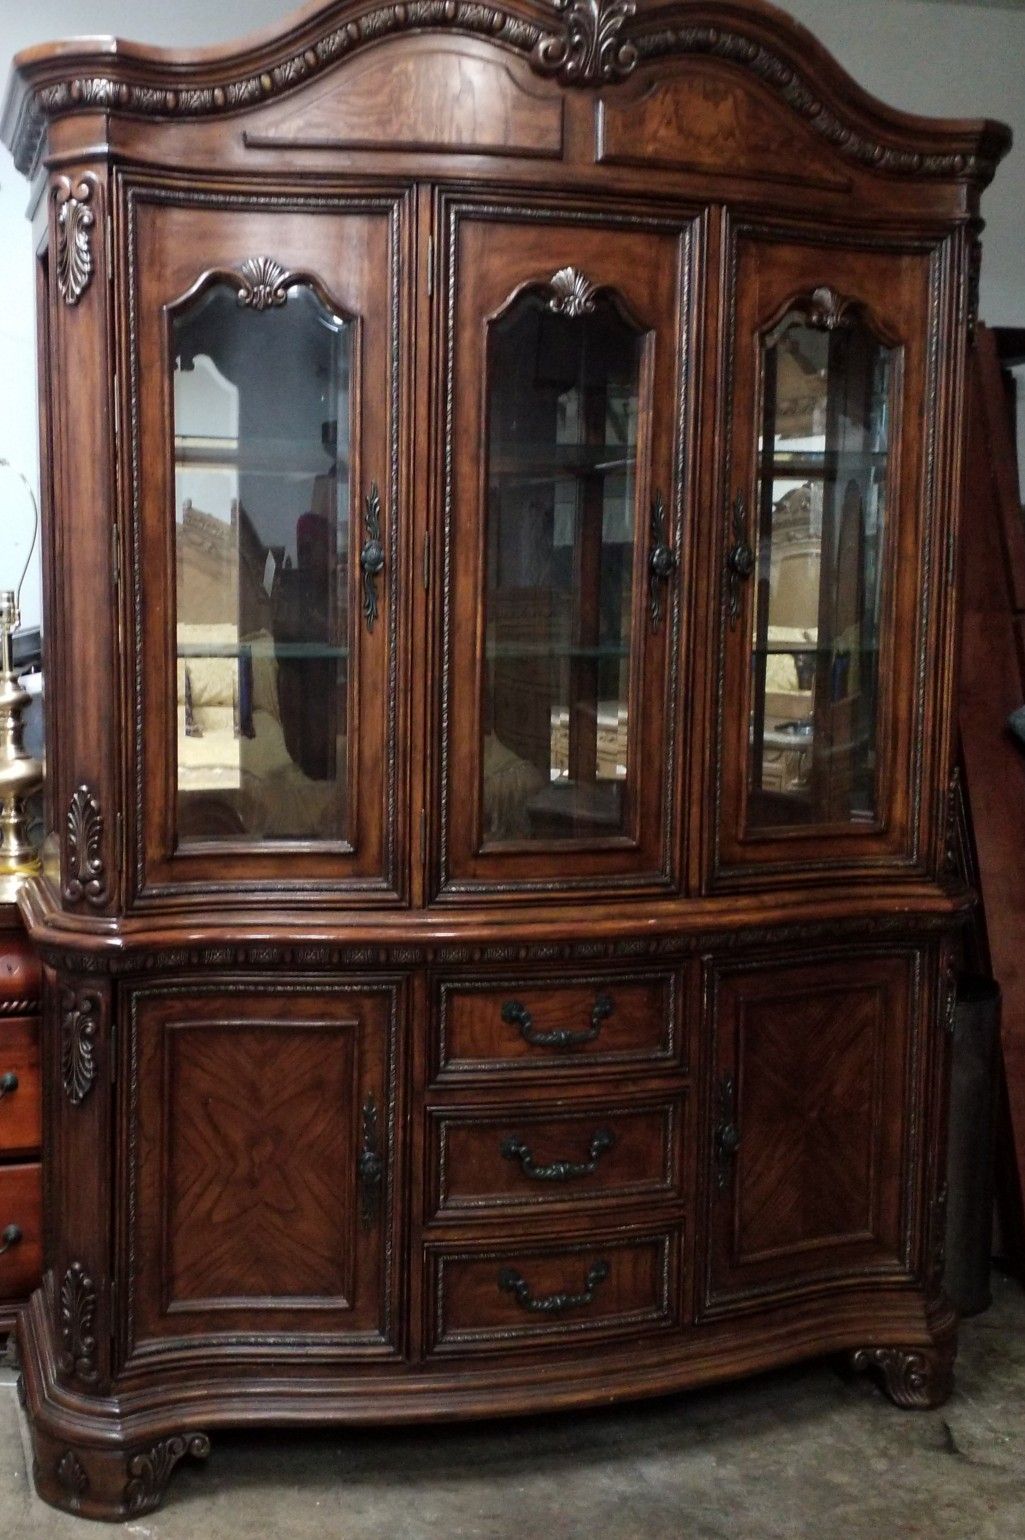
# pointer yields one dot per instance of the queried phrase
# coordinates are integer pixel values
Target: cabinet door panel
(260, 1162)
(267, 529)
(567, 365)
(808, 1125)
(826, 544)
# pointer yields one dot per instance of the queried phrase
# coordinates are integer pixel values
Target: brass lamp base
(20, 773)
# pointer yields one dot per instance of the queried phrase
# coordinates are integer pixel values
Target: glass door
(269, 537)
(818, 712)
(564, 511)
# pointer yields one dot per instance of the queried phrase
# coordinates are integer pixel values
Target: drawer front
(21, 1238)
(529, 1157)
(20, 1101)
(517, 1295)
(583, 1025)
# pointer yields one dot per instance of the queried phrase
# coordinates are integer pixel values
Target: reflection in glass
(262, 426)
(562, 415)
(824, 457)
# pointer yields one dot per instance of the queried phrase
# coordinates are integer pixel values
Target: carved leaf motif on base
(77, 1321)
(149, 1470)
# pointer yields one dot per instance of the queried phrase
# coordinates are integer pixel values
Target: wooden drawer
(21, 1207)
(20, 1105)
(583, 1025)
(520, 1294)
(530, 1156)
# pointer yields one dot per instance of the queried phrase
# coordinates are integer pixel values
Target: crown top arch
(590, 44)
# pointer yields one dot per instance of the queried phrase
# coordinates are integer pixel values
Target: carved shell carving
(263, 283)
(77, 1319)
(828, 310)
(590, 50)
(83, 854)
(75, 220)
(572, 293)
(79, 1016)
(148, 1471)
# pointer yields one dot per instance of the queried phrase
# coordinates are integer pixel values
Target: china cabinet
(502, 470)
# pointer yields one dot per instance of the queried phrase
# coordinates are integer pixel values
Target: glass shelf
(496, 651)
(263, 647)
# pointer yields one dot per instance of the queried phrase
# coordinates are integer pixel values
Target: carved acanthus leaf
(591, 49)
(72, 1476)
(149, 1470)
(83, 853)
(75, 220)
(77, 1322)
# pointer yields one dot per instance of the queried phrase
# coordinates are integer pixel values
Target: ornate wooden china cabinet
(502, 479)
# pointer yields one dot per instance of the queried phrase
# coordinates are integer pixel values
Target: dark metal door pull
(512, 1282)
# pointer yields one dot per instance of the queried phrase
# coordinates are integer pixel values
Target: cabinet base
(104, 1455)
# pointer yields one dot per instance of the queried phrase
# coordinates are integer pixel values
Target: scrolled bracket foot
(917, 1379)
(107, 1483)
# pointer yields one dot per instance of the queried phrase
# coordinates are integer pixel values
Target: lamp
(20, 773)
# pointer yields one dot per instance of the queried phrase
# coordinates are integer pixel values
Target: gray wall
(928, 56)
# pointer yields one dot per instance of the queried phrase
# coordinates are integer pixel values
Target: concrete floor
(799, 1453)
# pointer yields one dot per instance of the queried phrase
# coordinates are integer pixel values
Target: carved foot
(915, 1378)
(110, 1484)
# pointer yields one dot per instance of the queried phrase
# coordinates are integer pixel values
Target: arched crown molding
(581, 43)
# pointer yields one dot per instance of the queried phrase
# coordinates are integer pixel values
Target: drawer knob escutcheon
(512, 1282)
(8, 1084)
(516, 1015)
(514, 1148)
(10, 1237)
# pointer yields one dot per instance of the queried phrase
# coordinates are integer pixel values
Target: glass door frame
(540, 242)
(772, 271)
(347, 244)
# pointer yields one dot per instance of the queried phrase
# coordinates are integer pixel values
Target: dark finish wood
(813, 1183)
(328, 1128)
(992, 686)
(21, 1227)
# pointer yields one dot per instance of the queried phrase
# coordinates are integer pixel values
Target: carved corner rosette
(83, 850)
(78, 1325)
(590, 50)
(75, 219)
(80, 1015)
(150, 1469)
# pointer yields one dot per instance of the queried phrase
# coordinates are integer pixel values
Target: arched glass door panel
(262, 435)
(823, 473)
(564, 378)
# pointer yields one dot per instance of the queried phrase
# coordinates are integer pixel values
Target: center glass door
(563, 516)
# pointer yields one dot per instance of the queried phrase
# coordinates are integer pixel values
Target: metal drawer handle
(517, 1015)
(559, 1170)
(512, 1282)
(10, 1237)
(8, 1084)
